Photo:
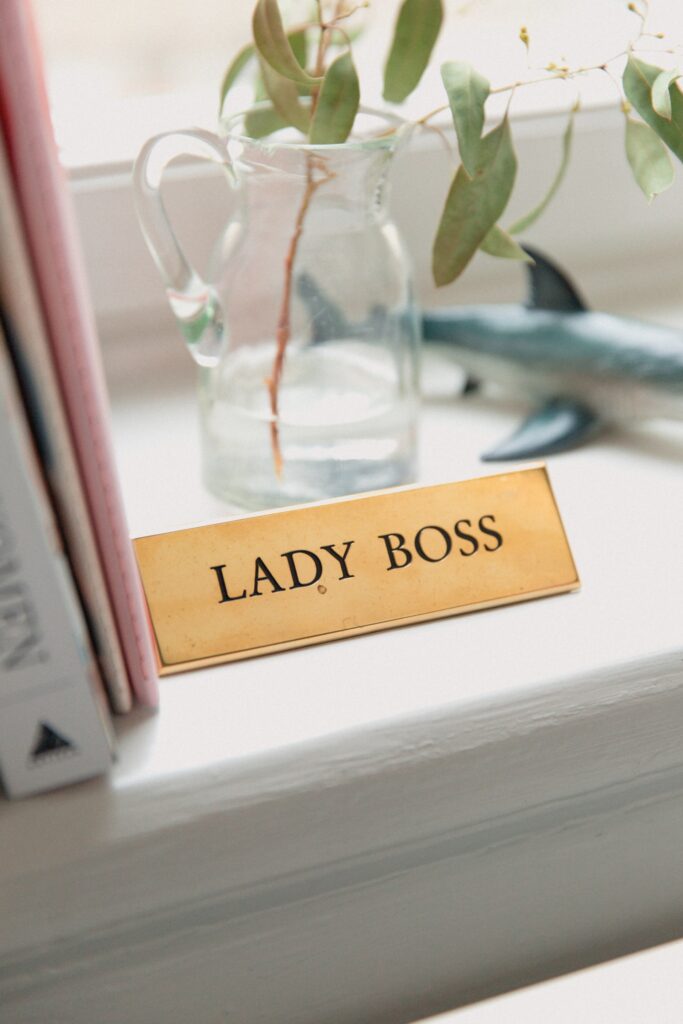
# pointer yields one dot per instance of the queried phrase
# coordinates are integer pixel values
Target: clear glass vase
(307, 334)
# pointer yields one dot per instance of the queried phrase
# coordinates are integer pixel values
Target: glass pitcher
(306, 334)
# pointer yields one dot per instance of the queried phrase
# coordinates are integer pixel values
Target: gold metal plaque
(280, 579)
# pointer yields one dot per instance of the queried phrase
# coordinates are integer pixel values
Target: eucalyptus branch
(625, 106)
(351, 11)
(561, 74)
(436, 130)
(283, 332)
(284, 328)
(483, 183)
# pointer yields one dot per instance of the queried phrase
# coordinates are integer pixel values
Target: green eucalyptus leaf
(661, 97)
(284, 96)
(274, 46)
(299, 43)
(648, 157)
(260, 93)
(467, 93)
(337, 104)
(474, 204)
(638, 80)
(530, 218)
(416, 31)
(258, 123)
(234, 71)
(499, 243)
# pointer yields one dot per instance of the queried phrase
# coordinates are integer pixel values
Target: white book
(54, 727)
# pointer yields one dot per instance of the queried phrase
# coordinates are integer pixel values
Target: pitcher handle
(193, 301)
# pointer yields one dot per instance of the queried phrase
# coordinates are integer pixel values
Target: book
(49, 226)
(54, 728)
(21, 317)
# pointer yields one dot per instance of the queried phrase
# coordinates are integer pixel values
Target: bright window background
(119, 72)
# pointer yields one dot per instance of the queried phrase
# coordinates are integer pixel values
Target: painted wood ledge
(132, 880)
(387, 826)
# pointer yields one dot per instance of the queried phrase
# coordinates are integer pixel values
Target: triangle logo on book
(48, 744)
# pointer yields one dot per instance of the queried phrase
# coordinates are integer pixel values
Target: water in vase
(346, 424)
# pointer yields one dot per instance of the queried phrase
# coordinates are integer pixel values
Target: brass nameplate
(280, 579)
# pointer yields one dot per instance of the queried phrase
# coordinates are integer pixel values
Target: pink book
(52, 240)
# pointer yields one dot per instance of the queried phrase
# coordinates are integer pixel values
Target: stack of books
(74, 638)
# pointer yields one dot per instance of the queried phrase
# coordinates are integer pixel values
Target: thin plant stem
(283, 332)
(348, 14)
(562, 73)
(430, 128)
(284, 323)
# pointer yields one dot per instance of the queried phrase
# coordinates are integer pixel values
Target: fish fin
(327, 320)
(471, 385)
(549, 287)
(557, 426)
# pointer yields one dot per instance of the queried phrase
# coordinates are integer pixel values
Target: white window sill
(630, 990)
(385, 826)
(391, 825)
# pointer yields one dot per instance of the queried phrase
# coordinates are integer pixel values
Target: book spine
(21, 317)
(60, 275)
(54, 729)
